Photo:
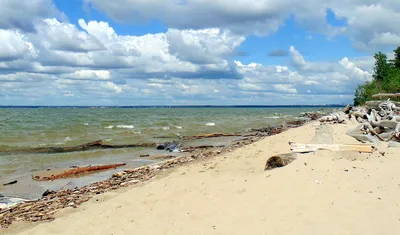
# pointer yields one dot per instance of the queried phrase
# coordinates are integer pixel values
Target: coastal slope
(318, 193)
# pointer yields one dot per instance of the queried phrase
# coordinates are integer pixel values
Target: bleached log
(305, 148)
(386, 95)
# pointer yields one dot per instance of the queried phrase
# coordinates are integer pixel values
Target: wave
(86, 124)
(126, 126)
(210, 124)
(165, 128)
(109, 127)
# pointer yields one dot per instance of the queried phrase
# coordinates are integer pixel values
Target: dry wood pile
(380, 124)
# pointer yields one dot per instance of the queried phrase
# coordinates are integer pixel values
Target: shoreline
(318, 193)
(34, 210)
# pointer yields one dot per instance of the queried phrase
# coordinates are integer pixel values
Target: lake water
(58, 127)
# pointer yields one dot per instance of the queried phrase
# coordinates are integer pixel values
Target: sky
(191, 52)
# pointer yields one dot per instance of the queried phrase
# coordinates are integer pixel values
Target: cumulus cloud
(14, 45)
(22, 14)
(55, 62)
(367, 23)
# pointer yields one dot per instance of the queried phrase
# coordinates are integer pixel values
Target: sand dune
(319, 193)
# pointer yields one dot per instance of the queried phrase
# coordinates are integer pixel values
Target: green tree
(396, 61)
(386, 78)
(381, 69)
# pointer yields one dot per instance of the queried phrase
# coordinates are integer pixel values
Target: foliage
(386, 78)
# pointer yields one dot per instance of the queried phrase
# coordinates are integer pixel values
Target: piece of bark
(84, 147)
(10, 183)
(306, 148)
(279, 160)
(77, 171)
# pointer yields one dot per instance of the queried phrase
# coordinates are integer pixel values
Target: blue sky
(159, 52)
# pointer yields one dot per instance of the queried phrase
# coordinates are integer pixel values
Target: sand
(318, 193)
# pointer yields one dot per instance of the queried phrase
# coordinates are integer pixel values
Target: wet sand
(318, 193)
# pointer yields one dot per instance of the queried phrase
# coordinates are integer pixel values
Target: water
(41, 127)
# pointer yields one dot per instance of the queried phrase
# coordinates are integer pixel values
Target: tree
(386, 78)
(381, 69)
(396, 61)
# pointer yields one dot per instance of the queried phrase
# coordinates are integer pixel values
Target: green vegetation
(386, 78)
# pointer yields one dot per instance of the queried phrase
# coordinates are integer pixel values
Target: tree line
(385, 78)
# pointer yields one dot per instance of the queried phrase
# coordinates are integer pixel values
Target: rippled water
(40, 127)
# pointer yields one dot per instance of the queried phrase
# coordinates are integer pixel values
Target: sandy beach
(319, 193)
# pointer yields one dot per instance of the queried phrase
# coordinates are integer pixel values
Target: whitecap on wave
(109, 127)
(126, 126)
(210, 124)
(165, 128)
(86, 124)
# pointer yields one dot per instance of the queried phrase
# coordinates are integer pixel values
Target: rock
(48, 192)
(120, 174)
(279, 161)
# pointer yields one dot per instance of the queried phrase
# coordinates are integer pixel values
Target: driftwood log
(386, 95)
(77, 171)
(84, 147)
(280, 160)
(380, 121)
(213, 135)
(306, 148)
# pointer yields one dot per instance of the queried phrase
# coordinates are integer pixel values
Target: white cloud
(23, 14)
(188, 64)
(112, 86)
(14, 45)
(367, 22)
(89, 75)
(55, 35)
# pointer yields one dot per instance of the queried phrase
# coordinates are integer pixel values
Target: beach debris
(48, 192)
(336, 117)
(194, 148)
(280, 160)
(212, 135)
(380, 123)
(10, 183)
(312, 115)
(170, 146)
(76, 171)
(8, 202)
(84, 147)
(306, 148)
(318, 182)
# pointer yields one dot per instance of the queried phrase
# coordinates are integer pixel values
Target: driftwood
(77, 171)
(193, 148)
(280, 160)
(10, 183)
(84, 147)
(375, 104)
(306, 148)
(382, 125)
(386, 95)
(213, 135)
